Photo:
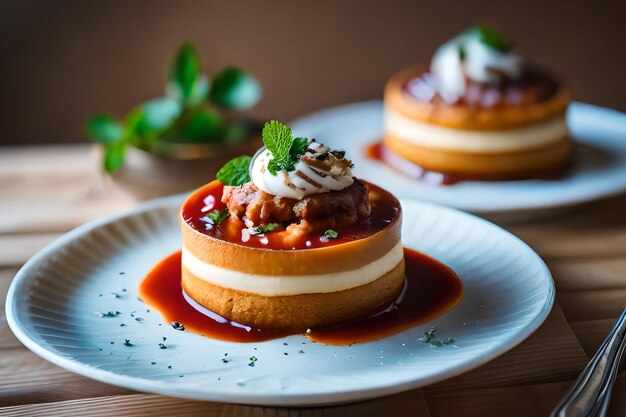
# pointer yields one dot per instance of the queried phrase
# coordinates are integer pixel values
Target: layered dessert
(290, 240)
(477, 112)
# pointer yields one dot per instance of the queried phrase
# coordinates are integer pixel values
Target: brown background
(62, 60)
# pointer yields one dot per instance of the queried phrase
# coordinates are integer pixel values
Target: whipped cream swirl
(479, 62)
(318, 170)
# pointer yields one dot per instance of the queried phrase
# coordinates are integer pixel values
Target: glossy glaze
(431, 290)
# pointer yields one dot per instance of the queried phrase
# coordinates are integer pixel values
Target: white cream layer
(319, 181)
(272, 286)
(483, 141)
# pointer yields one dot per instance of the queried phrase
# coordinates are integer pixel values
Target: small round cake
(478, 112)
(290, 240)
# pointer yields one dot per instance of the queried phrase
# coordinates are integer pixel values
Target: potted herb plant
(174, 143)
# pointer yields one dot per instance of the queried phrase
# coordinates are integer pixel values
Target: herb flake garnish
(162, 346)
(278, 139)
(265, 228)
(253, 360)
(236, 171)
(177, 326)
(430, 338)
(109, 314)
(218, 215)
(331, 234)
(127, 342)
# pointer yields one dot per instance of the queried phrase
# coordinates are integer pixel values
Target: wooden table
(45, 191)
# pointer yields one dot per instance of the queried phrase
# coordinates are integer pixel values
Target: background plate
(53, 301)
(599, 168)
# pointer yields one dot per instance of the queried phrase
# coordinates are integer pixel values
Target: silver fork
(590, 395)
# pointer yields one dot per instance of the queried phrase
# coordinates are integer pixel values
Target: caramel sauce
(431, 289)
(385, 209)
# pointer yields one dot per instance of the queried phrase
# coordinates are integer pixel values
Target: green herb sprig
(188, 113)
(236, 171)
(430, 338)
(490, 37)
(218, 215)
(278, 139)
(331, 234)
(265, 228)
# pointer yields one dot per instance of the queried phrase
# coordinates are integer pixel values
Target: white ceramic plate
(52, 303)
(599, 168)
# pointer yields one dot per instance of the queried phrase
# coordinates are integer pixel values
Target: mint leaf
(490, 37)
(265, 228)
(331, 234)
(203, 126)
(103, 129)
(184, 70)
(234, 88)
(278, 139)
(218, 215)
(298, 147)
(150, 120)
(160, 113)
(200, 91)
(235, 172)
(114, 155)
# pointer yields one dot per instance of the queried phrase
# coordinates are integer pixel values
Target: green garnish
(218, 215)
(192, 111)
(162, 346)
(428, 336)
(178, 326)
(185, 70)
(235, 172)
(331, 234)
(109, 314)
(127, 342)
(265, 228)
(253, 359)
(278, 139)
(490, 37)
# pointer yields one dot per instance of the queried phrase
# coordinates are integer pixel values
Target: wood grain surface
(45, 191)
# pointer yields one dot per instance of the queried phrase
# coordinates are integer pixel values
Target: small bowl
(173, 168)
